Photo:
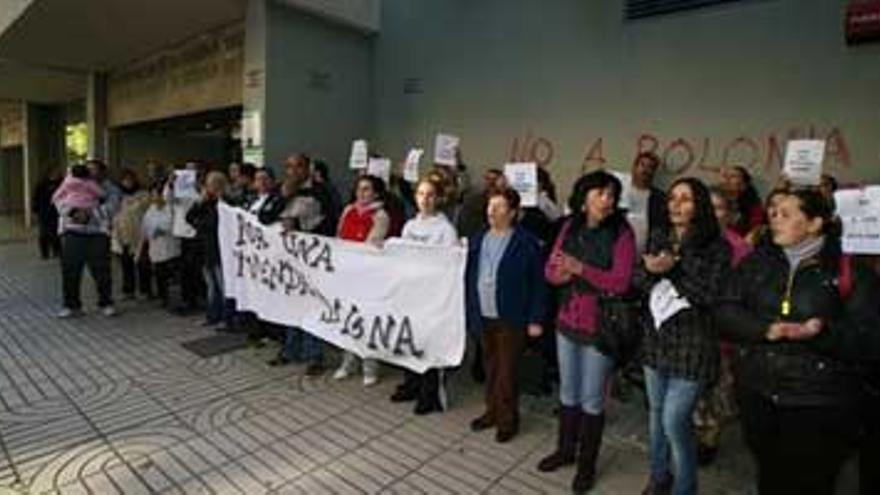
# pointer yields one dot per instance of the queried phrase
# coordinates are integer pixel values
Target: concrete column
(254, 87)
(96, 115)
(44, 147)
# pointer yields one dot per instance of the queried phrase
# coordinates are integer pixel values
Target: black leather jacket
(825, 370)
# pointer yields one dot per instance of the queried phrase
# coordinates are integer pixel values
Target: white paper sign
(523, 177)
(182, 195)
(380, 167)
(859, 211)
(666, 302)
(251, 130)
(445, 148)
(803, 161)
(185, 184)
(411, 166)
(359, 156)
(254, 156)
(626, 182)
(366, 300)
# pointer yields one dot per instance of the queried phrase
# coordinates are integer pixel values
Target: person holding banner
(506, 298)
(305, 210)
(365, 220)
(432, 228)
(687, 262)
(806, 317)
(594, 253)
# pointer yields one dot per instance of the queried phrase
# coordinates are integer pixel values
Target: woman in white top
(431, 227)
(163, 248)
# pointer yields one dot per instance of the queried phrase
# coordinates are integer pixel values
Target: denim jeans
(216, 303)
(672, 404)
(583, 375)
(301, 345)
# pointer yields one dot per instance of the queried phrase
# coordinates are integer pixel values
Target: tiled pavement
(100, 405)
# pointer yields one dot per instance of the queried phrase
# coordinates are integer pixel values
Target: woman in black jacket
(687, 262)
(807, 320)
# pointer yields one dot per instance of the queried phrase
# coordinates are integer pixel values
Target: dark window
(637, 9)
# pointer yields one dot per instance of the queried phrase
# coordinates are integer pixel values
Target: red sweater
(357, 222)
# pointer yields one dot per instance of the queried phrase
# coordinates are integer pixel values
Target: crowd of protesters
(726, 305)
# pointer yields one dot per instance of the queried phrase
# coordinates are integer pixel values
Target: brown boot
(660, 486)
(566, 443)
(592, 426)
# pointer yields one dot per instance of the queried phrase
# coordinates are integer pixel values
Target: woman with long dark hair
(594, 254)
(807, 321)
(687, 261)
(737, 182)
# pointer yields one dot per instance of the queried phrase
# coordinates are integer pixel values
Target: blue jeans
(583, 375)
(672, 404)
(300, 345)
(216, 304)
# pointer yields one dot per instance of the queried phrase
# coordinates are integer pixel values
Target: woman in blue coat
(505, 302)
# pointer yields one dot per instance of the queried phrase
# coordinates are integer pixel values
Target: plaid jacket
(686, 346)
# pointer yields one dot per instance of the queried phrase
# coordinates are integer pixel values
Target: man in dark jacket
(47, 215)
(204, 218)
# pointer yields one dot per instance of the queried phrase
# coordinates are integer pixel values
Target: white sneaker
(109, 311)
(370, 380)
(341, 373)
(68, 313)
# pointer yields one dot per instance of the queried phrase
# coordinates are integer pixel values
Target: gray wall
(135, 148)
(523, 77)
(318, 87)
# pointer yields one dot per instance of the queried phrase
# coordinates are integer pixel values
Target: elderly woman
(505, 296)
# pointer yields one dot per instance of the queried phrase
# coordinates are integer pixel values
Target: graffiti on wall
(697, 155)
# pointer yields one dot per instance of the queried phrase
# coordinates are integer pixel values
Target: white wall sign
(803, 161)
(403, 303)
(523, 177)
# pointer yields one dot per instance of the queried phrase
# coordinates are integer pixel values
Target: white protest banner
(411, 165)
(380, 167)
(859, 211)
(803, 161)
(626, 187)
(523, 177)
(402, 303)
(359, 157)
(445, 150)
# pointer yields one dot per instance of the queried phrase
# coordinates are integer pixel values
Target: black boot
(566, 442)
(592, 426)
